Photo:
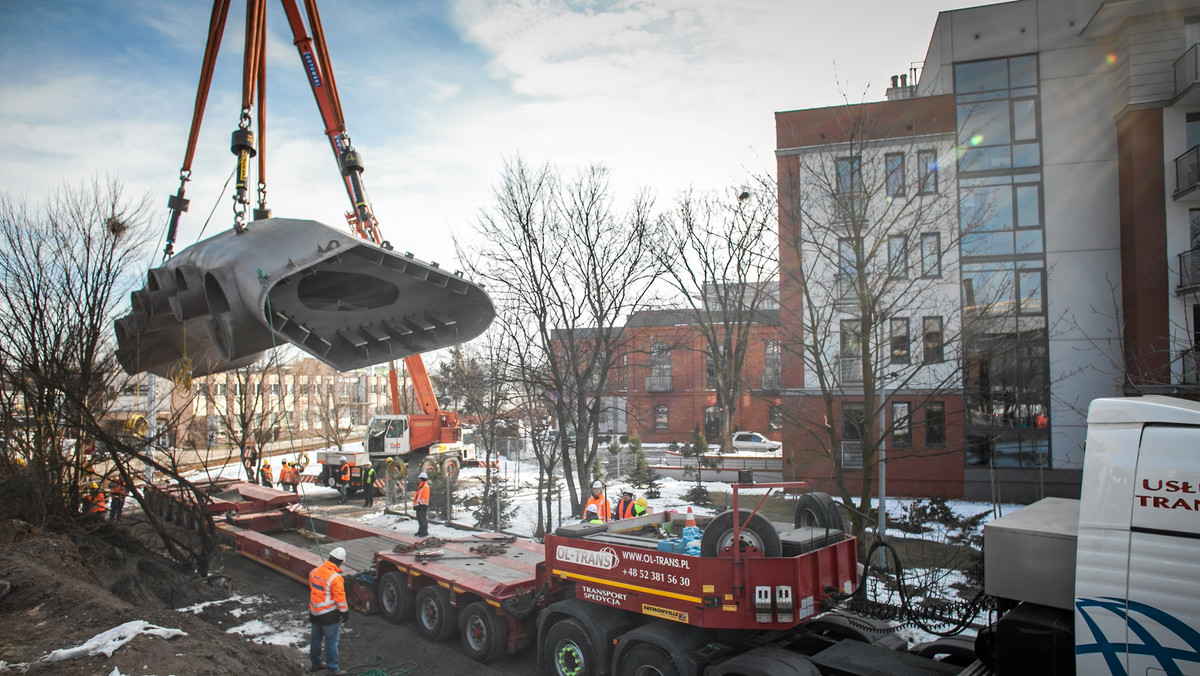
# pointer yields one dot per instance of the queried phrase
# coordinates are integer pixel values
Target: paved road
(370, 637)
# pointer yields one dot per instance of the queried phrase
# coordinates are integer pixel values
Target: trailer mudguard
(220, 303)
(677, 640)
(603, 625)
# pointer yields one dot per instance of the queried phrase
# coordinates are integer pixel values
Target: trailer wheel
(756, 532)
(450, 469)
(395, 598)
(645, 659)
(817, 510)
(484, 634)
(569, 650)
(434, 615)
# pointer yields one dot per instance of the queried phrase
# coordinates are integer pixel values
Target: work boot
(317, 667)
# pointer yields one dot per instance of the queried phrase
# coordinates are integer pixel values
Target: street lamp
(881, 518)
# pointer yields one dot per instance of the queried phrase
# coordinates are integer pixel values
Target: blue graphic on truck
(1149, 625)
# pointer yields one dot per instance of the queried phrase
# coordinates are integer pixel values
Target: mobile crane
(210, 309)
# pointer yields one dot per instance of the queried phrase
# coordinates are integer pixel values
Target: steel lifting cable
(177, 204)
(243, 143)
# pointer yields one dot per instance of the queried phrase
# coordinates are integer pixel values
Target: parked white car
(753, 441)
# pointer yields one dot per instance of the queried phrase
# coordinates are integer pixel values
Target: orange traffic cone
(691, 519)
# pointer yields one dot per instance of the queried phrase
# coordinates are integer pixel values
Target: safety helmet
(597, 484)
(342, 459)
(591, 509)
(627, 491)
(266, 463)
(338, 553)
(641, 502)
(422, 475)
(95, 485)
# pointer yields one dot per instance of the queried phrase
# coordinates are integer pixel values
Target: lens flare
(1110, 58)
(976, 139)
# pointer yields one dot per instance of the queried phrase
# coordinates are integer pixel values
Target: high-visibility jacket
(602, 506)
(638, 510)
(96, 502)
(421, 495)
(346, 472)
(625, 509)
(266, 473)
(368, 476)
(326, 590)
(293, 475)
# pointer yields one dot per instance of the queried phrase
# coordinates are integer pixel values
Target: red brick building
(664, 371)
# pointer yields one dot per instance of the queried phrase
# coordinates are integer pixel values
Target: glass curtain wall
(1006, 361)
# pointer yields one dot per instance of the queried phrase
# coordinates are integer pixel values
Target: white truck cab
(1130, 559)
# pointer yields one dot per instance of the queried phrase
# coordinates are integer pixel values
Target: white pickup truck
(1108, 584)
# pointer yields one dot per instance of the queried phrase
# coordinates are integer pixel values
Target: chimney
(895, 78)
(904, 80)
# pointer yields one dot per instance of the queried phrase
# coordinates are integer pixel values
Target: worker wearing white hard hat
(590, 515)
(327, 610)
(600, 502)
(421, 504)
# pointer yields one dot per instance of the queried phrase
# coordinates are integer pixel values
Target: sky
(438, 95)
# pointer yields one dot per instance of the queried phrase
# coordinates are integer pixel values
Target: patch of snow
(108, 642)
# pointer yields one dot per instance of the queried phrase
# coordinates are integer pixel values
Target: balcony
(1189, 273)
(771, 381)
(658, 383)
(1187, 176)
(1187, 77)
(1191, 366)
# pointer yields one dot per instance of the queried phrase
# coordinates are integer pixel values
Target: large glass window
(899, 340)
(934, 342)
(849, 175)
(901, 425)
(931, 254)
(772, 367)
(898, 256)
(661, 418)
(935, 424)
(775, 417)
(894, 167)
(927, 171)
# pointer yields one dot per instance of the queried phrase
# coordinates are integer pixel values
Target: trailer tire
(817, 510)
(757, 532)
(434, 614)
(569, 650)
(484, 634)
(450, 469)
(645, 659)
(395, 598)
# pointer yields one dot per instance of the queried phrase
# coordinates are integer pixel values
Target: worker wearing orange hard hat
(327, 610)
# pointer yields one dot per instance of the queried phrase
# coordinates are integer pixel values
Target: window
(934, 341)
(660, 368)
(899, 340)
(852, 421)
(894, 168)
(775, 417)
(661, 419)
(898, 256)
(850, 362)
(771, 365)
(927, 171)
(935, 424)
(849, 175)
(710, 369)
(931, 254)
(901, 425)
(1030, 291)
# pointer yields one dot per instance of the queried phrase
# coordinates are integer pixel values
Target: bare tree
(67, 266)
(328, 403)
(558, 256)
(719, 255)
(248, 407)
(869, 256)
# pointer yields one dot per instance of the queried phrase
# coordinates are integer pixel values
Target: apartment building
(1067, 134)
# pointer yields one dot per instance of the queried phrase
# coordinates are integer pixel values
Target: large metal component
(350, 303)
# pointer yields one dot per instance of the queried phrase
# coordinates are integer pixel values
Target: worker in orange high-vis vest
(624, 508)
(601, 502)
(344, 478)
(327, 611)
(421, 503)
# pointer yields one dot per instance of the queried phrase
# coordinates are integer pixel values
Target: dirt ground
(57, 592)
